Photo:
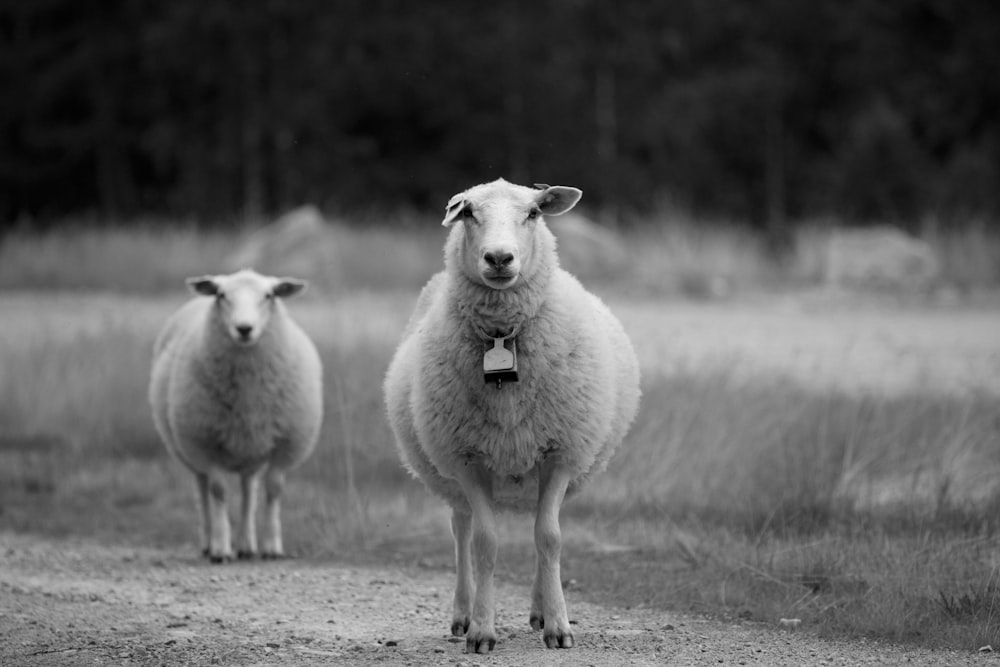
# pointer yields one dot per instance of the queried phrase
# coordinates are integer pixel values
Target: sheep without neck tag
(500, 361)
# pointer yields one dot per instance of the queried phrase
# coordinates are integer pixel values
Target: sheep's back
(172, 339)
(303, 414)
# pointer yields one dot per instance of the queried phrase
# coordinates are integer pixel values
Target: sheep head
(499, 221)
(245, 301)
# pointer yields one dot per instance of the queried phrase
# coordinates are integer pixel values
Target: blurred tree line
(757, 110)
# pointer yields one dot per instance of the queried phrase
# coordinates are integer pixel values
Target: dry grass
(668, 254)
(740, 491)
(970, 259)
(142, 258)
(696, 261)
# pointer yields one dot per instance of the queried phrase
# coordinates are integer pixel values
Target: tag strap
(486, 336)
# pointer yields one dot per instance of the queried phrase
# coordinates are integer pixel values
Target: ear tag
(500, 361)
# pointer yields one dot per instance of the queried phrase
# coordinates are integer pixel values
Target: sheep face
(244, 301)
(499, 220)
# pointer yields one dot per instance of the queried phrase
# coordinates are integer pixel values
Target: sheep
(483, 441)
(236, 387)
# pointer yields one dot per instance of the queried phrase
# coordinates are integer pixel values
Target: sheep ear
(286, 287)
(557, 199)
(204, 285)
(454, 207)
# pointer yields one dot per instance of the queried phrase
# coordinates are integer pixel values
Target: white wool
(222, 405)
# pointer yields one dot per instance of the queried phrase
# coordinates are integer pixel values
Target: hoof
(460, 626)
(270, 555)
(480, 638)
(536, 621)
(246, 555)
(558, 640)
(480, 645)
(217, 559)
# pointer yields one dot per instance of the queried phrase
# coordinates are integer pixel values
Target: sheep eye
(533, 213)
(467, 214)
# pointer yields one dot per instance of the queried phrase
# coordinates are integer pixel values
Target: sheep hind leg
(205, 529)
(274, 484)
(477, 484)
(246, 534)
(548, 605)
(220, 547)
(461, 530)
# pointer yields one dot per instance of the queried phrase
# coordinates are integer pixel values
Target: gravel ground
(79, 602)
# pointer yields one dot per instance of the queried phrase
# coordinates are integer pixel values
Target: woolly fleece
(578, 388)
(221, 405)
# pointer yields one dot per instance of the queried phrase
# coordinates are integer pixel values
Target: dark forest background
(760, 111)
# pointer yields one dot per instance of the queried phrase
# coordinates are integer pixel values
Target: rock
(299, 243)
(586, 249)
(881, 257)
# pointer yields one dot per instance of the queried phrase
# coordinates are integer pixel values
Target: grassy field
(675, 256)
(794, 457)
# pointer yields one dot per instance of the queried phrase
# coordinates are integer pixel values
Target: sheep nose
(498, 259)
(244, 330)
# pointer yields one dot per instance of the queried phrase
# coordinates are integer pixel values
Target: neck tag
(500, 361)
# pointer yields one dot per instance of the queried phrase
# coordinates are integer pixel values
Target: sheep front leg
(477, 484)
(246, 534)
(461, 530)
(274, 484)
(220, 541)
(548, 606)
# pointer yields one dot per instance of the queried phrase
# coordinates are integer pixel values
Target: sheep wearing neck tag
(536, 440)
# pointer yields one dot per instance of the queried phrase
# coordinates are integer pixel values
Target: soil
(76, 601)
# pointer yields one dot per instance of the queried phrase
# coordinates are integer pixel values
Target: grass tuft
(975, 605)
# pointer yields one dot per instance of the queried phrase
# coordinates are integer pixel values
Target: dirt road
(78, 602)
